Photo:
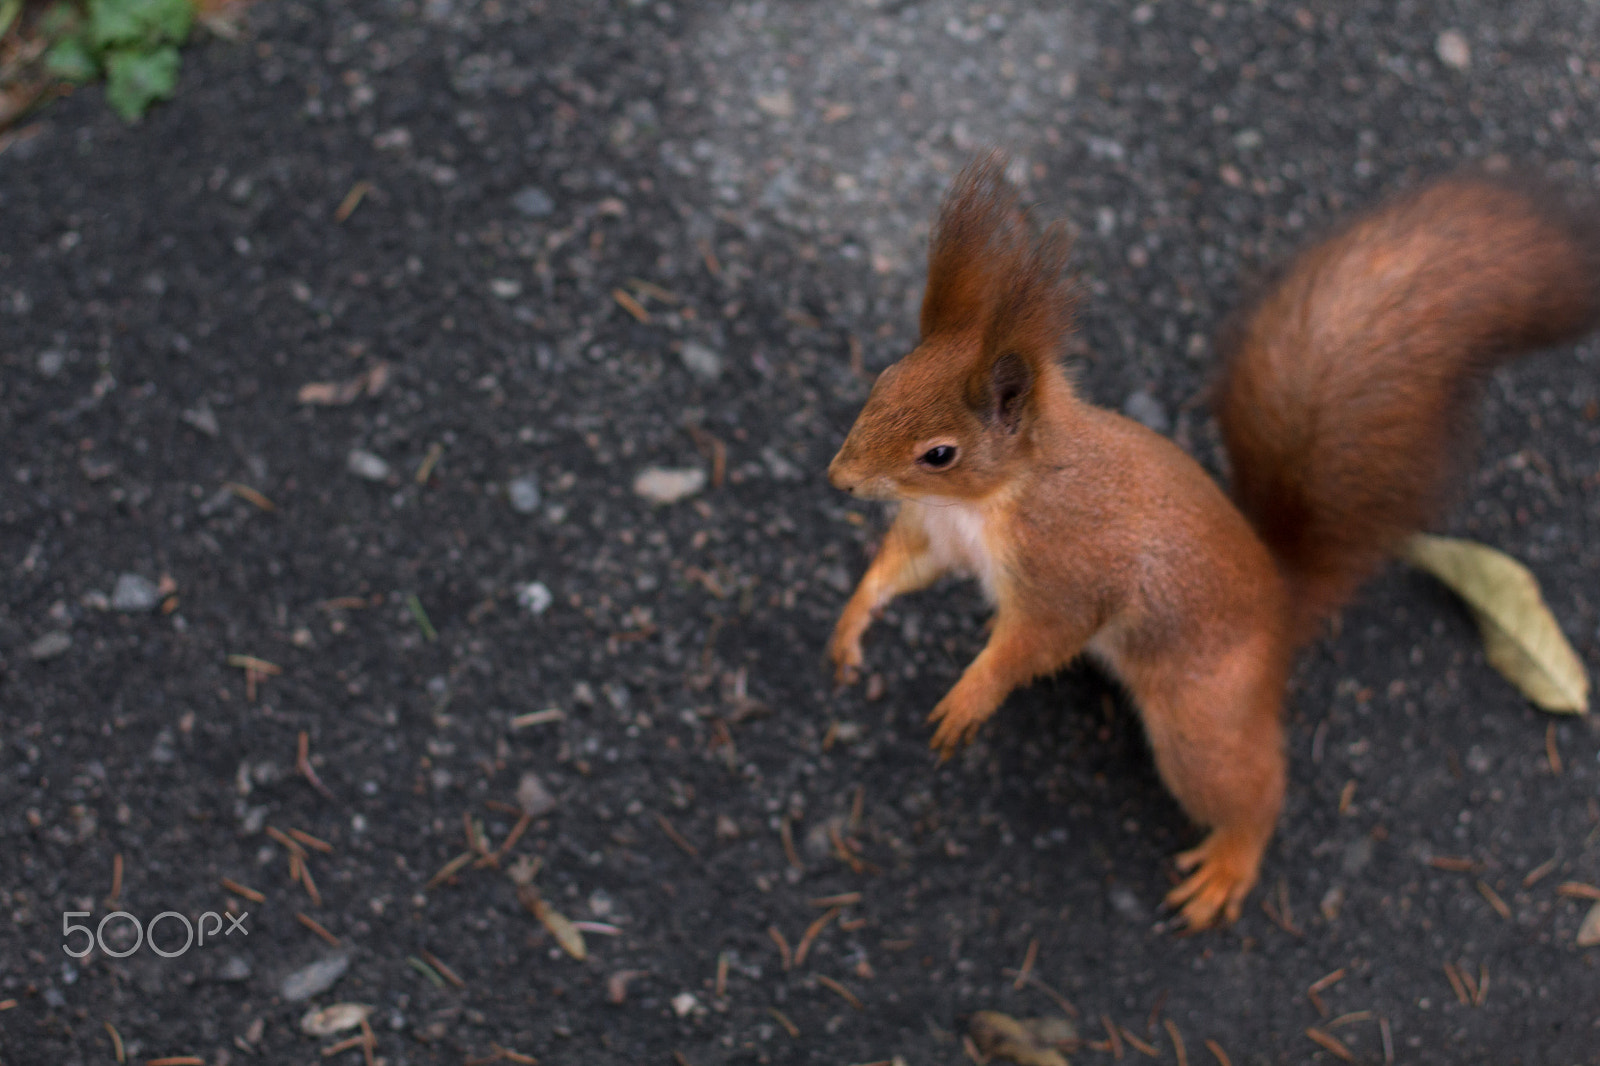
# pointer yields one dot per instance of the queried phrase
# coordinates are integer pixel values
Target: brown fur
(1090, 533)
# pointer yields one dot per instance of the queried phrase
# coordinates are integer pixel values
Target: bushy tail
(1348, 387)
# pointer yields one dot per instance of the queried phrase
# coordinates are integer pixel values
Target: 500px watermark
(146, 933)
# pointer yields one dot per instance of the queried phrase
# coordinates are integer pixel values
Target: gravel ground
(539, 249)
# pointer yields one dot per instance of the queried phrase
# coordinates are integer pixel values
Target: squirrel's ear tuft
(980, 241)
(1034, 311)
(989, 271)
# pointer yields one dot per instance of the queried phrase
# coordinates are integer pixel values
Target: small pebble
(535, 597)
(50, 645)
(1332, 903)
(532, 796)
(778, 104)
(135, 593)
(201, 417)
(235, 968)
(524, 494)
(617, 695)
(506, 288)
(703, 362)
(1453, 50)
(1356, 856)
(315, 979)
(1126, 903)
(779, 466)
(50, 362)
(161, 749)
(364, 464)
(220, 500)
(663, 485)
(533, 202)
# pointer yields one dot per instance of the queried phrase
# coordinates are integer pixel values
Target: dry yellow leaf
(1028, 1042)
(566, 934)
(1589, 931)
(1520, 636)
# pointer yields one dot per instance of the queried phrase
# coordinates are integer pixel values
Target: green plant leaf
(136, 79)
(171, 19)
(148, 23)
(1520, 636)
(69, 58)
(113, 23)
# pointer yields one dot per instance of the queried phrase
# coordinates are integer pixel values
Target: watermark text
(119, 946)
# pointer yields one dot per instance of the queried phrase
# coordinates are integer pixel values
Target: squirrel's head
(953, 417)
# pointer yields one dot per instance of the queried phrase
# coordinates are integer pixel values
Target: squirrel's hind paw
(1227, 865)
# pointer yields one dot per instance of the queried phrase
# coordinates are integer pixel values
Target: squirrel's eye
(943, 455)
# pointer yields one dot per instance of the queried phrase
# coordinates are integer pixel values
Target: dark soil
(755, 180)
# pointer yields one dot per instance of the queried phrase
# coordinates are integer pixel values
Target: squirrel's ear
(998, 391)
(981, 239)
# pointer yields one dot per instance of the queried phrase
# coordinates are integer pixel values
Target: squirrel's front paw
(957, 726)
(845, 654)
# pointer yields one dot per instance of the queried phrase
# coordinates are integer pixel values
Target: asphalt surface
(457, 193)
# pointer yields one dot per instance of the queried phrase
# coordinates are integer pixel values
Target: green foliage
(69, 58)
(137, 78)
(139, 23)
(133, 43)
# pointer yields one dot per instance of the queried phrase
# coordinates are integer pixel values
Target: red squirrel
(1343, 398)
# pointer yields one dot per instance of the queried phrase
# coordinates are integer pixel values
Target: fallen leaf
(1028, 1041)
(564, 931)
(1520, 637)
(334, 1019)
(1589, 931)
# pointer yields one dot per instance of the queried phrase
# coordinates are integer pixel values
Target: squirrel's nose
(839, 476)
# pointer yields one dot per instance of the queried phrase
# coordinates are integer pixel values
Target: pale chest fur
(962, 538)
